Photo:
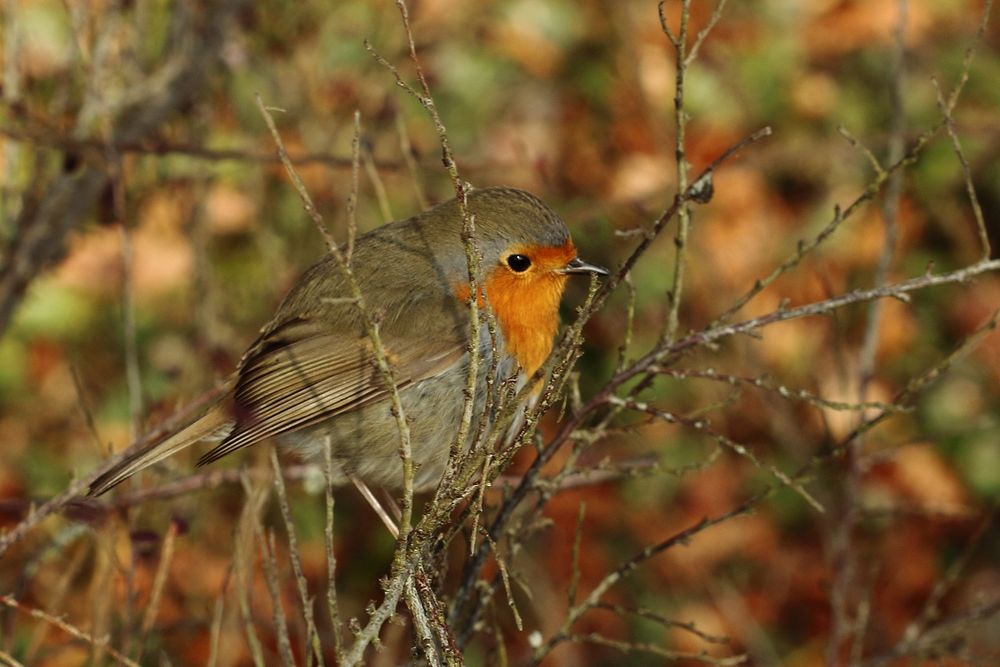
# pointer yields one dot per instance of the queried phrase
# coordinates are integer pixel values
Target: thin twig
(267, 550)
(332, 606)
(574, 580)
(701, 426)
(421, 624)
(243, 538)
(381, 195)
(468, 238)
(133, 376)
(780, 390)
(159, 581)
(680, 157)
(625, 569)
(371, 325)
(686, 626)
(848, 623)
(970, 188)
(71, 630)
(406, 149)
(215, 633)
(51, 138)
(352, 199)
(312, 634)
(657, 650)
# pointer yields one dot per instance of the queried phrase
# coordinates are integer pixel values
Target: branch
(45, 220)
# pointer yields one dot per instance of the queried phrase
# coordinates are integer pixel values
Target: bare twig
(267, 550)
(381, 195)
(312, 642)
(71, 630)
(701, 426)
(780, 390)
(422, 625)
(931, 611)
(657, 650)
(371, 324)
(352, 199)
(406, 149)
(625, 569)
(970, 189)
(850, 623)
(159, 580)
(133, 376)
(680, 156)
(243, 538)
(215, 633)
(51, 138)
(333, 608)
(41, 228)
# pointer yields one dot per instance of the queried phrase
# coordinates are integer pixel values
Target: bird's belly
(366, 443)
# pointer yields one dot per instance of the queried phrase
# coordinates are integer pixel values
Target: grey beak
(578, 266)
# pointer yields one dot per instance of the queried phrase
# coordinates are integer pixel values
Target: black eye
(518, 263)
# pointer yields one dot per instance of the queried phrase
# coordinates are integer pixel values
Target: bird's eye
(518, 263)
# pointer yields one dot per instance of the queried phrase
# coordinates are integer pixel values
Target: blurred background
(148, 233)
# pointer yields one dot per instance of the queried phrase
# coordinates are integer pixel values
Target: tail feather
(214, 422)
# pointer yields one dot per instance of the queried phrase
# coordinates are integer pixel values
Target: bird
(310, 376)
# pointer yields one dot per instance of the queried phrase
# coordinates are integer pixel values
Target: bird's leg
(377, 506)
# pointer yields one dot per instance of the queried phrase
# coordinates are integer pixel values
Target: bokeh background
(573, 100)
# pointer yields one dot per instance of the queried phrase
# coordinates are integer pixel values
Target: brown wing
(298, 375)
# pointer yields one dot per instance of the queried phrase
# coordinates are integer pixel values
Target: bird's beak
(578, 266)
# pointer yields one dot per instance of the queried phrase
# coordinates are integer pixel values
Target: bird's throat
(527, 310)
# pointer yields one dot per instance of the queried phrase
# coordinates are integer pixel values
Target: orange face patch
(546, 258)
(526, 304)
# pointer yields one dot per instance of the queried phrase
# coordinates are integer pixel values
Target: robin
(310, 375)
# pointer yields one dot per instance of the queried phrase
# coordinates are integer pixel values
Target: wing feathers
(301, 373)
(298, 378)
(212, 423)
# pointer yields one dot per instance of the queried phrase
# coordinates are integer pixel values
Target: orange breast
(527, 311)
(527, 305)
